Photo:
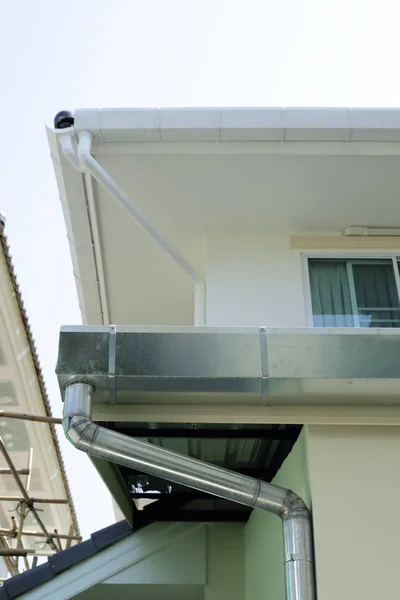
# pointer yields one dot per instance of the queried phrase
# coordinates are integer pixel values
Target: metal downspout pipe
(105, 444)
(84, 162)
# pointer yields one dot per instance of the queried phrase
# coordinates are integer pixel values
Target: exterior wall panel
(254, 279)
(264, 578)
(355, 492)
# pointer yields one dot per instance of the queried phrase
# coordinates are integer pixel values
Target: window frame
(353, 256)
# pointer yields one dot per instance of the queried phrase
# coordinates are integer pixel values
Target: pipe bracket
(264, 366)
(111, 363)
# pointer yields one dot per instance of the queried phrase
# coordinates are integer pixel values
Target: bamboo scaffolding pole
(16, 551)
(23, 508)
(19, 535)
(27, 417)
(70, 536)
(14, 526)
(60, 536)
(30, 463)
(57, 540)
(33, 500)
(9, 554)
(4, 471)
(8, 560)
(28, 501)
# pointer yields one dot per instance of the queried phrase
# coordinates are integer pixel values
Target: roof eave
(240, 124)
(73, 197)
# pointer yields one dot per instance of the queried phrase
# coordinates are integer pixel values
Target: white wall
(254, 279)
(355, 488)
(257, 278)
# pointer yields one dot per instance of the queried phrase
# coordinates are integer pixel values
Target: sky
(126, 53)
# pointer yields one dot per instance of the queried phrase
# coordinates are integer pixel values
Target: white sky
(122, 53)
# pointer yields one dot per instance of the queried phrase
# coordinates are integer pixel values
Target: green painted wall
(204, 564)
(263, 545)
(225, 562)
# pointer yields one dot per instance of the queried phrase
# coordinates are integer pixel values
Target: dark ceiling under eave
(254, 450)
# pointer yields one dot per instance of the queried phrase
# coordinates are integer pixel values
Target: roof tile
(57, 563)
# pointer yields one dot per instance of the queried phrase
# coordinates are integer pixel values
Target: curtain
(330, 294)
(376, 290)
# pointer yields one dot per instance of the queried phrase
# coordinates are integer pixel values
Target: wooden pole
(23, 508)
(16, 551)
(14, 526)
(27, 417)
(4, 471)
(8, 560)
(19, 535)
(57, 540)
(33, 500)
(60, 536)
(30, 462)
(70, 536)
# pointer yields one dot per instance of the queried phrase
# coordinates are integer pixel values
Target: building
(37, 514)
(278, 231)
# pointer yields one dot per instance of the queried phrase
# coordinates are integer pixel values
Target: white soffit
(189, 170)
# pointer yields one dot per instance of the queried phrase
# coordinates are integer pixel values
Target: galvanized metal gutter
(108, 445)
(233, 366)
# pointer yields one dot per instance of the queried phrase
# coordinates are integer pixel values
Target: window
(354, 292)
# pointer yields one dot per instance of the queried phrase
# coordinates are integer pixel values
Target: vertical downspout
(86, 163)
(114, 447)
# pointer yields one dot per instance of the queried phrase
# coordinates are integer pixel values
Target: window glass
(354, 293)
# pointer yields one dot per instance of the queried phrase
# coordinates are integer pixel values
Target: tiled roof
(39, 374)
(58, 563)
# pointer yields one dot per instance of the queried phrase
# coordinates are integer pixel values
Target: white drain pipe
(86, 163)
(121, 449)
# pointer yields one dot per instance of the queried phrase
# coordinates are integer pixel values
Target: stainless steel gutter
(234, 366)
(108, 445)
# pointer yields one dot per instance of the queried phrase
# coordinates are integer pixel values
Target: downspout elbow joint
(68, 149)
(80, 431)
(77, 423)
(294, 506)
(84, 149)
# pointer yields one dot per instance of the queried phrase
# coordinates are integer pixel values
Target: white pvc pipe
(70, 153)
(68, 149)
(372, 231)
(85, 162)
(90, 165)
(97, 249)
